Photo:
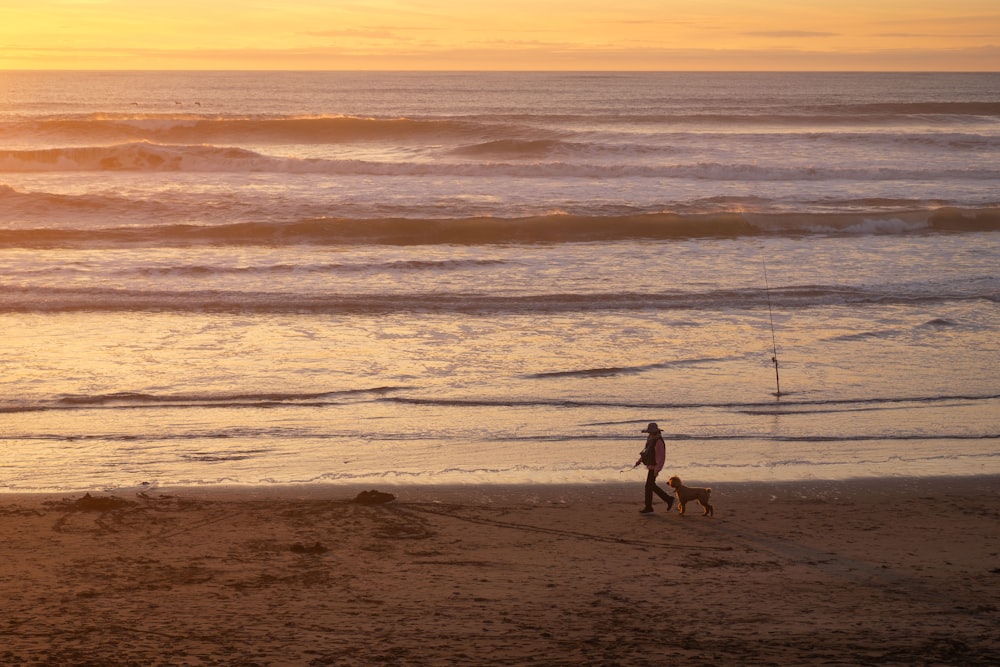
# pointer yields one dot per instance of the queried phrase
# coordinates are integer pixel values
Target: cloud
(959, 19)
(791, 34)
(366, 33)
(925, 35)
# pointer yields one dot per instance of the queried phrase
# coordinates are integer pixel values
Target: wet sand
(869, 572)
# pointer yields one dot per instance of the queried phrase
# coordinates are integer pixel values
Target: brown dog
(685, 494)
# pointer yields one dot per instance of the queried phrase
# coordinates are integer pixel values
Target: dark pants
(652, 488)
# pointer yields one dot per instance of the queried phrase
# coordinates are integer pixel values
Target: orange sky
(501, 35)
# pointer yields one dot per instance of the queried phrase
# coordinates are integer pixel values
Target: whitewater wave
(623, 370)
(916, 108)
(334, 268)
(394, 394)
(138, 156)
(149, 157)
(515, 148)
(134, 399)
(16, 298)
(186, 127)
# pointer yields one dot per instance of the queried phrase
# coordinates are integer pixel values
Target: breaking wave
(144, 156)
(554, 228)
(202, 128)
(14, 298)
(187, 128)
(398, 394)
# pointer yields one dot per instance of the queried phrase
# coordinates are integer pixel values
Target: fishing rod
(770, 313)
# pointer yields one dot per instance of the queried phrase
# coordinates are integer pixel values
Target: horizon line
(510, 71)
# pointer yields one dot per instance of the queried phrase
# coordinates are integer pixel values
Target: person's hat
(652, 428)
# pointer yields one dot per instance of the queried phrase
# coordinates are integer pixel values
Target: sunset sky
(507, 35)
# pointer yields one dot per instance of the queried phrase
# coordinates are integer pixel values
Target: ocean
(297, 278)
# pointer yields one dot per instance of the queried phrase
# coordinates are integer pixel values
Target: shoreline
(319, 490)
(887, 571)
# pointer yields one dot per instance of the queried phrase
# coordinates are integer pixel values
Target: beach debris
(317, 548)
(373, 497)
(89, 503)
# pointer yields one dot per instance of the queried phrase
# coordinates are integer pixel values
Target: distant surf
(553, 228)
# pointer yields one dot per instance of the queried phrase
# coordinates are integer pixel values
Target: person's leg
(667, 498)
(651, 488)
(650, 485)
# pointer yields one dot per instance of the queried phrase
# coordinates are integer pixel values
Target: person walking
(653, 456)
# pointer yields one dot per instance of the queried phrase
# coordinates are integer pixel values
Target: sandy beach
(872, 572)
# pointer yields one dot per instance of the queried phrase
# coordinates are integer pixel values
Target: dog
(686, 494)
